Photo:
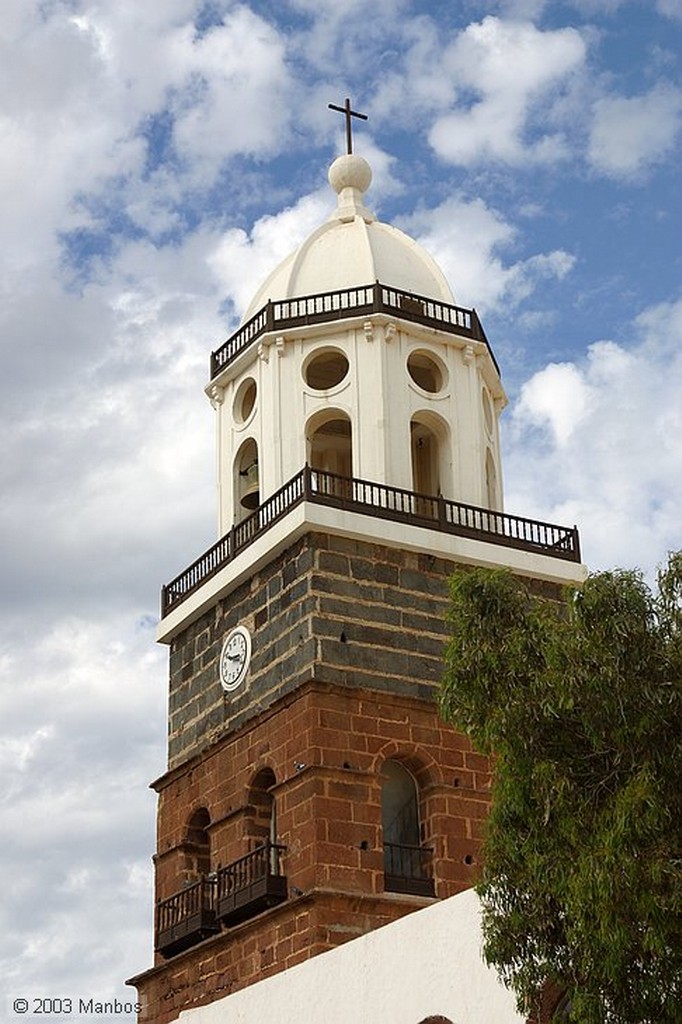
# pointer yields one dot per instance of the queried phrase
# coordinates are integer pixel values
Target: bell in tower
(250, 498)
(312, 794)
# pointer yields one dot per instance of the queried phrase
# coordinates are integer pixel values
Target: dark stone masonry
(328, 609)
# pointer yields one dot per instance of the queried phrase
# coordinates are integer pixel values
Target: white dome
(352, 249)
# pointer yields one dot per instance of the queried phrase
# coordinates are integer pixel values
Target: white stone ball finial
(350, 176)
(350, 171)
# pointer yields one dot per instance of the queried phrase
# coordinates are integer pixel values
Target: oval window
(488, 412)
(427, 373)
(325, 369)
(244, 400)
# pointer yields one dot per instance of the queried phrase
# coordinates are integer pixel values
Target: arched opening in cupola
(491, 481)
(330, 448)
(246, 485)
(429, 447)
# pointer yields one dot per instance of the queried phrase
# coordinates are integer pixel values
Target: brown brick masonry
(329, 820)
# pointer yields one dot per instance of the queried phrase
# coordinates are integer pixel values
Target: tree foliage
(579, 702)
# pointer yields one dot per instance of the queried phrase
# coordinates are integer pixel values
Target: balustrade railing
(239, 537)
(186, 917)
(383, 502)
(184, 904)
(236, 892)
(360, 301)
(252, 867)
(251, 884)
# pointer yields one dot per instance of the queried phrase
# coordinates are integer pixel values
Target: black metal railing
(383, 502)
(251, 884)
(336, 305)
(236, 892)
(407, 869)
(239, 537)
(186, 918)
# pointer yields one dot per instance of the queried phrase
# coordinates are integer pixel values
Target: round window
(426, 371)
(325, 369)
(244, 400)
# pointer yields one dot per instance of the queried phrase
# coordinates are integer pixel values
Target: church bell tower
(312, 792)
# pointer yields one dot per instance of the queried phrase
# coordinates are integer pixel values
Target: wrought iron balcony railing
(237, 892)
(337, 305)
(406, 869)
(251, 884)
(186, 918)
(382, 502)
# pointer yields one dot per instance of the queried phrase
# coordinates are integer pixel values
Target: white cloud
(86, 705)
(84, 93)
(237, 94)
(343, 35)
(241, 261)
(419, 62)
(611, 460)
(512, 68)
(557, 395)
(630, 134)
(670, 9)
(465, 238)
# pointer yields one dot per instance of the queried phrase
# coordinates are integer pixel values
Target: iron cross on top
(345, 109)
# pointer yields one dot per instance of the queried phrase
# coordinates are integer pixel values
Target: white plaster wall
(379, 398)
(427, 963)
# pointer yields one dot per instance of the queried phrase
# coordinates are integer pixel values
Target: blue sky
(157, 160)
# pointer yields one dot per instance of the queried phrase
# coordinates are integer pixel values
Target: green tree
(579, 703)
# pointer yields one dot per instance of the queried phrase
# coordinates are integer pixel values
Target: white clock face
(234, 658)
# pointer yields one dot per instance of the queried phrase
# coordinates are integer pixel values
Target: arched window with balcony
(255, 881)
(405, 858)
(197, 844)
(188, 916)
(262, 827)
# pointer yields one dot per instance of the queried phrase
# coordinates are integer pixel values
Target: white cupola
(353, 358)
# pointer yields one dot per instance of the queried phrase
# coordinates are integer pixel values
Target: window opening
(247, 480)
(426, 373)
(326, 369)
(330, 451)
(198, 843)
(490, 480)
(245, 400)
(487, 411)
(425, 476)
(404, 857)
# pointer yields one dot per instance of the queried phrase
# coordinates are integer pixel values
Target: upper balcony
(384, 505)
(350, 302)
